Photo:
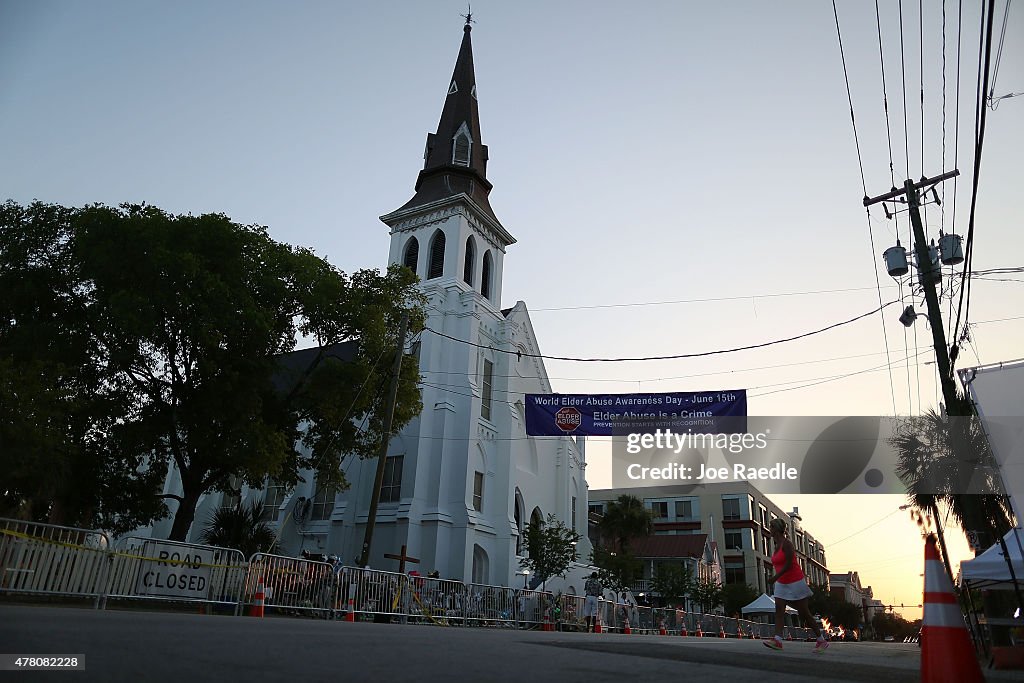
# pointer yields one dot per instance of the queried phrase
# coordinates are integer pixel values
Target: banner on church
(611, 414)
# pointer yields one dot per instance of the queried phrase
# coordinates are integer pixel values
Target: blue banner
(608, 414)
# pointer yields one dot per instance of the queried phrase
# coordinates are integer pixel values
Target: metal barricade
(438, 601)
(173, 571)
(570, 616)
(292, 585)
(488, 605)
(530, 608)
(47, 559)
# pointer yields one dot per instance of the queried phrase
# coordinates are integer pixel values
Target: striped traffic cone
(739, 630)
(946, 651)
(351, 614)
(626, 629)
(257, 604)
(721, 630)
(597, 624)
(662, 631)
(683, 632)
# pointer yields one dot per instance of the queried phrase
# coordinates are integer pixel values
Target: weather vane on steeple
(468, 16)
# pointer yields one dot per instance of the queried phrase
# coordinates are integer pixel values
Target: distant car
(890, 639)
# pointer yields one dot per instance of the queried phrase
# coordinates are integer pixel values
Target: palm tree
(948, 460)
(624, 519)
(242, 528)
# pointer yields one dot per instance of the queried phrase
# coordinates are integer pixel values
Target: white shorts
(791, 592)
(590, 606)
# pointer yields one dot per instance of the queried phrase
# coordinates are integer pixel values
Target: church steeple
(455, 159)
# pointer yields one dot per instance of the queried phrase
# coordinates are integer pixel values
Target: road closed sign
(174, 571)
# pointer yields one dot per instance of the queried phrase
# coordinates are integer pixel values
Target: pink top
(794, 573)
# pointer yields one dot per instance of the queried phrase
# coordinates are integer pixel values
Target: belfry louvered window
(460, 150)
(436, 268)
(467, 271)
(485, 276)
(412, 254)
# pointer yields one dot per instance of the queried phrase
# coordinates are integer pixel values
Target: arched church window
(467, 271)
(485, 275)
(411, 259)
(436, 268)
(461, 148)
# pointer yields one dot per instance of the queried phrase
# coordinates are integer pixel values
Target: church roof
(441, 176)
(295, 367)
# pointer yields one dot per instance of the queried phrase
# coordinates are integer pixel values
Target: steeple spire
(455, 160)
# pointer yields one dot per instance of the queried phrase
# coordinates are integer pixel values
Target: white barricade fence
(47, 559)
(570, 613)
(437, 601)
(529, 606)
(292, 585)
(489, 605)
(174, 571)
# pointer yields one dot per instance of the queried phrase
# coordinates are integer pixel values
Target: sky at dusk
(680, 177)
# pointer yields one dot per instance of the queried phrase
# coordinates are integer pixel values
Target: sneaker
(773, 644)
(820, 646)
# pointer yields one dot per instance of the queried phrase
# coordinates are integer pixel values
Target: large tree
(673, 583)
(185, 320)
(552, 548)
(624, 519)
(59, 414)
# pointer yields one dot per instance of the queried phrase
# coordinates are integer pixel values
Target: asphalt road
(191, 648)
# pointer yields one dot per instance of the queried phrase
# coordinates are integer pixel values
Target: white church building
(462, 480)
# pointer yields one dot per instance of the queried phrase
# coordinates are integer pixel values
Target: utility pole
(382, 455)
(925, 277)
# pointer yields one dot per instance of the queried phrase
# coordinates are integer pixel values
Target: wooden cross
(402, 559)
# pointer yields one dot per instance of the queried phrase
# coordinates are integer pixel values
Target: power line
(920, 51)
(860, 165)
(998, 320)
(834, 378)
(980, 117)
(885, 101)
(869, 526)
(849, 97)
(704, 299)
(519, 353)
(999, 57)
(809, 382)
(462, 373)
(903, 79)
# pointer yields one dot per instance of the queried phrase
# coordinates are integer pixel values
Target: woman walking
(790, 588)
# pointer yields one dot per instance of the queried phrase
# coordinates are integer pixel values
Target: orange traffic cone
(739, 631)
(597, 624)
(662, 631)
(683, 632)
(721, 630)
(626, 629)
(946, 650)
(699, 633)
(351, 614)
(257, 604)
(789, 634)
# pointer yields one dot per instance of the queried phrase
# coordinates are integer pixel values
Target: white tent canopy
(990, 569)
(765, 604)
